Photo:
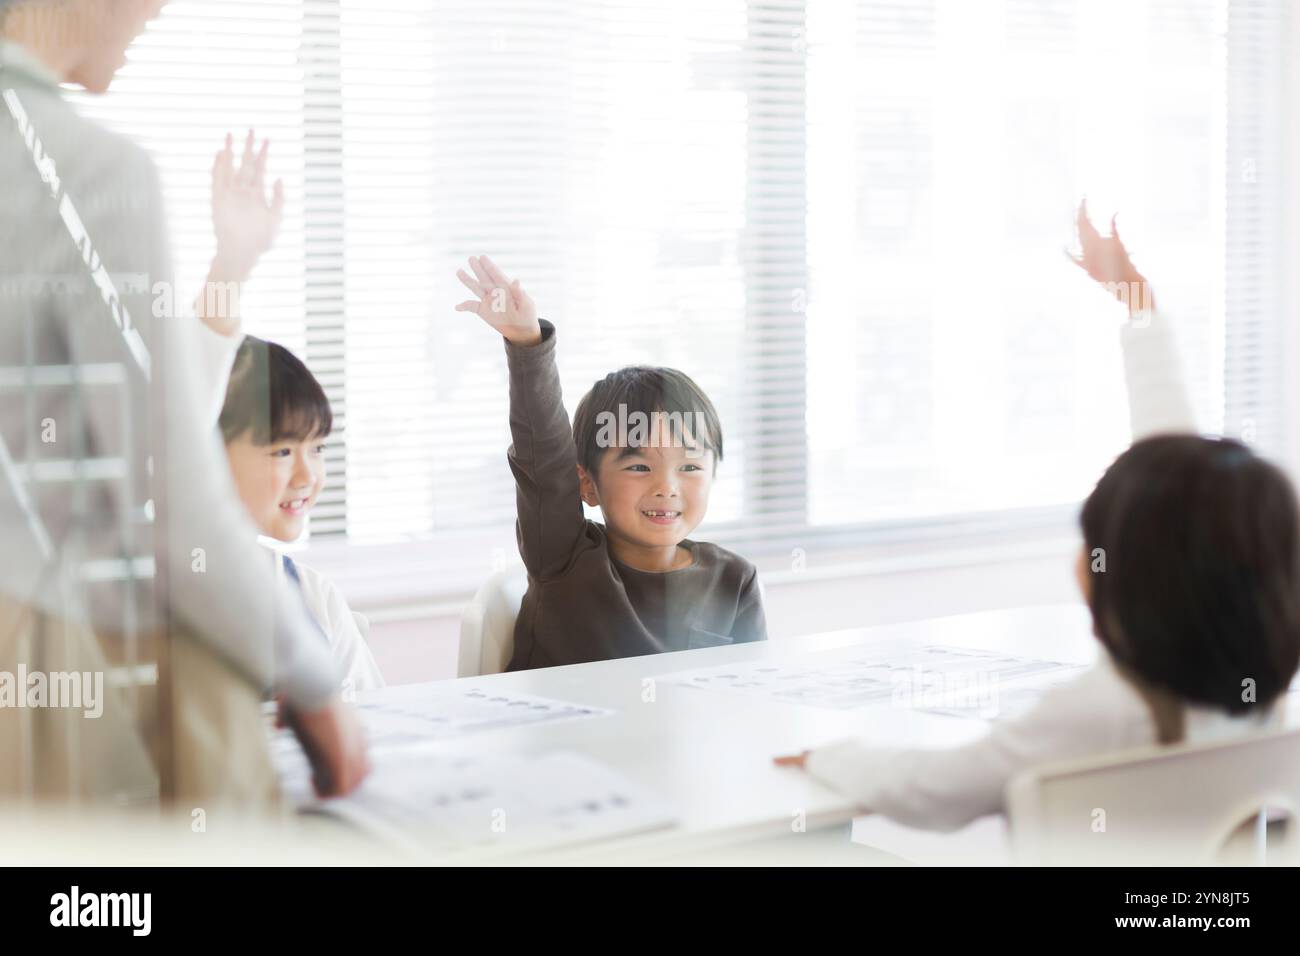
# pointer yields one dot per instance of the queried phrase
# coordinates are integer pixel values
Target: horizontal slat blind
(206, 67)
(598, 151)
(843, 219)
(1256, 171)
(203, 68)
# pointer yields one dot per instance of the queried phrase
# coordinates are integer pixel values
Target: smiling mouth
(662, 517)
(294, 505)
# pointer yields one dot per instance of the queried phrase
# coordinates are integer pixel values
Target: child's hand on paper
(792, 760)
(335, 744)
(244, 217)
(500, 303)
(1107, 262)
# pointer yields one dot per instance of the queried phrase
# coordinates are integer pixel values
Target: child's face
(651, 497)
(278, 483)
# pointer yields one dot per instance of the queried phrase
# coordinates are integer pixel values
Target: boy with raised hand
(644, 447)
(273, 414)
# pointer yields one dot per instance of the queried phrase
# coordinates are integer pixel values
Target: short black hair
(273, 396)
(1200, 591)
(643, 390)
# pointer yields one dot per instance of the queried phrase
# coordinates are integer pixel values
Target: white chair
(487, 628)
(1187, 805)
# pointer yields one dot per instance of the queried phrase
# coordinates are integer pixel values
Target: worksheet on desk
(934, 678)
(411, 713)
(422, 800)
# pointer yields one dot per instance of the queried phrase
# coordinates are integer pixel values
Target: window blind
(845, 220)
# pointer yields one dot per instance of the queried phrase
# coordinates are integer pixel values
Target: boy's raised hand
(245, 219)
(500, 303)
(1107, 262)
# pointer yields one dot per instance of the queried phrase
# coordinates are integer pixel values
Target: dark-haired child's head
(1191, 567)
(649, 442)
(274, 423)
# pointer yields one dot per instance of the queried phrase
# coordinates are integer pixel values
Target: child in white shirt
(274, 423)
(1191, 569)
(273, 414)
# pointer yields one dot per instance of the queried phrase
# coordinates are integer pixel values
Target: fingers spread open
(259, 168)
(247, 161)
(469, 283)
(1087, 231)
(481, 272)
(1114, 232)
(223, 164)
(518, 294)
(494, 271)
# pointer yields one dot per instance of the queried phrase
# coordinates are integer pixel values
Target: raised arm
(215, 570)
(1158, 401)
(542, 455)
(246, 221)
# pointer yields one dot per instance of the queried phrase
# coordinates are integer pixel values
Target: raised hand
(1107, 262)
(500, 303)
(245, 219)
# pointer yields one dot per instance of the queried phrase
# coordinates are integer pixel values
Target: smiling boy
(635, 584)
(273, 415)
(274, 424)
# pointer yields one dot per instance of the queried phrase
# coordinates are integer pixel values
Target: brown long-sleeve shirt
(582, 604)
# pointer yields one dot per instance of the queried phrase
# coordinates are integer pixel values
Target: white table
(709, 753)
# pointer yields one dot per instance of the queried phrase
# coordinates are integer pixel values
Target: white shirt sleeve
(261, 627)
(216, 354)
(946, 789)
(227, 597)
(1157, 393)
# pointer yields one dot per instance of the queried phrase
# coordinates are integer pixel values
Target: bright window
(844, 220)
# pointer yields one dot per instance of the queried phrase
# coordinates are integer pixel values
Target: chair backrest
(487, 628)
(1171, 805)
